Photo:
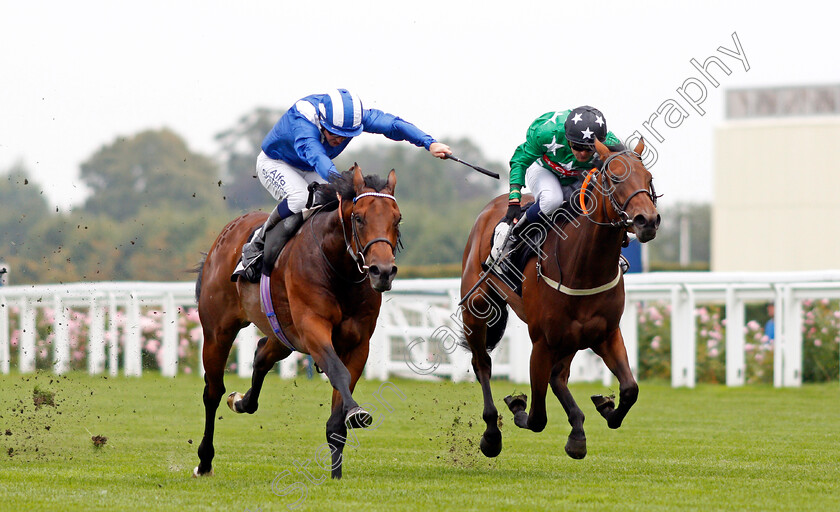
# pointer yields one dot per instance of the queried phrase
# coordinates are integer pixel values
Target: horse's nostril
(374, 270)
(639, 220)
(658, 220)
(393, 271)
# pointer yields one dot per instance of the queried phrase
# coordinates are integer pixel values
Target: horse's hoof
(196, 474)
(576, 448)
(233, 398)
(516, 403)
(603, 404)
(489, 449)
(358, 418)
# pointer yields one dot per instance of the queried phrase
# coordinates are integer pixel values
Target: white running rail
(419, 325)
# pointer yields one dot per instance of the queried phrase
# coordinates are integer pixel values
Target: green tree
(22, 206)
(439, 199)
(151, 170)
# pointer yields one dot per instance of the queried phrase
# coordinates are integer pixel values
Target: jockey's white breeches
(286, 182)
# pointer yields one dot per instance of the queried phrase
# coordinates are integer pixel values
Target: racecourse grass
(709, 448)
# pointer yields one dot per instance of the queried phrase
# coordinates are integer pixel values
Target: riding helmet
(341, 113)
(584, 124)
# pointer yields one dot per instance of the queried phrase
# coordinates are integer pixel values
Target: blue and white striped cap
(341, 113)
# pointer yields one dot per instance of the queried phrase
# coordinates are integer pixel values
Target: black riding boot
(252, 250)
(513, 236)
(276, 238)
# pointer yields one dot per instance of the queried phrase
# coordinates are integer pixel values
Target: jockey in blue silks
(299, 150)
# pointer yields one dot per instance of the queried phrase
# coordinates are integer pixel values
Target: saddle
(510, 269)
(318, 199)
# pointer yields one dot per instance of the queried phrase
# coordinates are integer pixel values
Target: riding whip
(477, 168)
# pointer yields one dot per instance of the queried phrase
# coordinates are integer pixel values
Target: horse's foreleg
(317, 337)
(338, 423)
(266, 354)
(536, 419)
(614, 354)
(559, 380)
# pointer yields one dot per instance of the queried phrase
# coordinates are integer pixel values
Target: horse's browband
(374, 194)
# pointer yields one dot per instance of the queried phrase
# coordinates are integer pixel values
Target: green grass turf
(710, 448)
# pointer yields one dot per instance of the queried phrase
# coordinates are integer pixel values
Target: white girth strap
(581, 292)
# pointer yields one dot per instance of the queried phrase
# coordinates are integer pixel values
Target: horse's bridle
(624, 220)
(359, 255)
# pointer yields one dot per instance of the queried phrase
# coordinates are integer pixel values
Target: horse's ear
(358, 179)
(603, 151)
(392, 180)
(640, 146)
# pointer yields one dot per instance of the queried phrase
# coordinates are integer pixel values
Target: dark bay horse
(325, 290)
(564, 315)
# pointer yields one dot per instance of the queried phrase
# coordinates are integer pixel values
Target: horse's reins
(624, 221)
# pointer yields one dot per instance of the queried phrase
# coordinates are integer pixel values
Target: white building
(777, 181)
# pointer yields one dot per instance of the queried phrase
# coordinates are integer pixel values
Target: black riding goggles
(582, 147)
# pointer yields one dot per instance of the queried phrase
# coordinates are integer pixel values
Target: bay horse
(325, 291)
(564, 315)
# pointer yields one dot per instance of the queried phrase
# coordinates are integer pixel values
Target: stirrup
(623, 264)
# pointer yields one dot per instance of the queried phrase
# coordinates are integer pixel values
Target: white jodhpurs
(286, 182)
(545, 185)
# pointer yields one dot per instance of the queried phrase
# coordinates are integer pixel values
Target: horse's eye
(359, 219)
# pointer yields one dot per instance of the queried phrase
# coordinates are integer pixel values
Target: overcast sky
(77, 75)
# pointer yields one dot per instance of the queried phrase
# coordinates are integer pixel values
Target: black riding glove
(513, 212)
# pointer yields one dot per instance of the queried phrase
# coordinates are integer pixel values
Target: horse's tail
(497, 325)
(199, 269)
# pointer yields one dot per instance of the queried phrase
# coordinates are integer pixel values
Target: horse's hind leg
(475, 330)
(559, 380)
(536, 419)
(215, 354)
(614, 355)
(267, 353)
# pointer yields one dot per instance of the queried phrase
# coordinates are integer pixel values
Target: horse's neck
(334, 245)
(589, 254)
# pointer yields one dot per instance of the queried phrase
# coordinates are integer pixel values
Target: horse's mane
(343, 186)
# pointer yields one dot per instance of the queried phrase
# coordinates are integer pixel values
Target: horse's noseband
(359, 255)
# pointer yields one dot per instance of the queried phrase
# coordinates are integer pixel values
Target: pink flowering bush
(654, 340)
(758, 354)
(78, 320)
(821, 340)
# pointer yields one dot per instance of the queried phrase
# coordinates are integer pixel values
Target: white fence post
(113, 337)
(96, 341)
(5, 347)
(792, 337)
(26, 357)
(246, 344)
(169, 345)
(61, 331)
(132, 354)
(630, 332)
(520, 350)
(735, 361)
(683, 340)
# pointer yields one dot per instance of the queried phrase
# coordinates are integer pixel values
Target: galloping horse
(325, 291)
(564, 315)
